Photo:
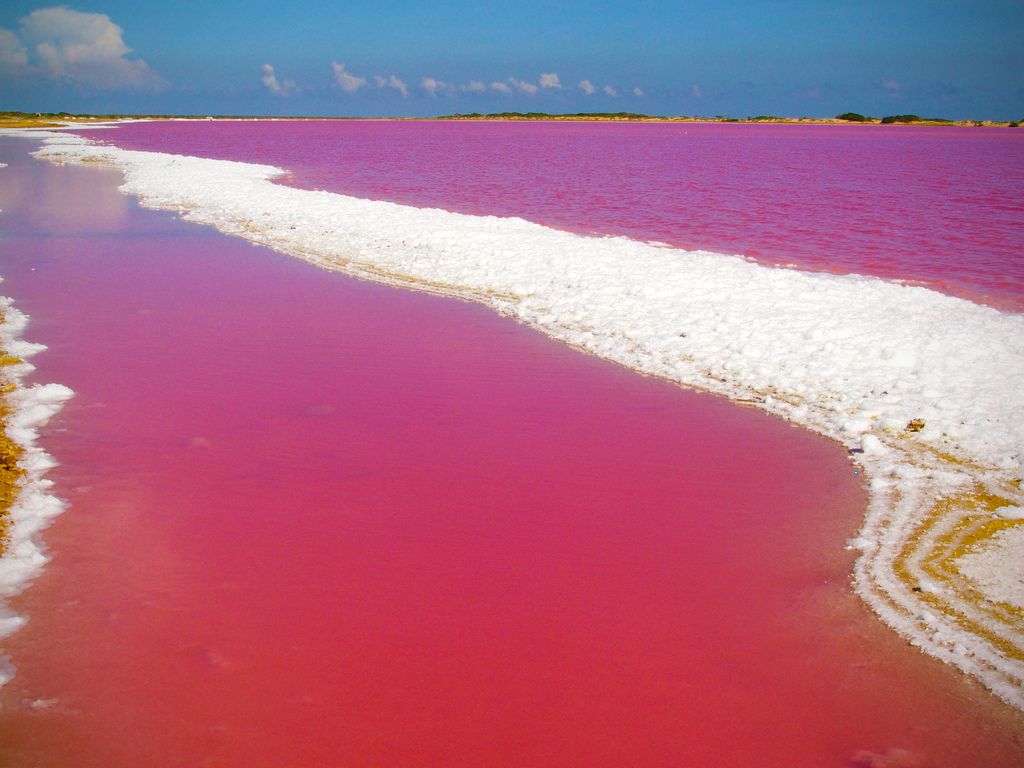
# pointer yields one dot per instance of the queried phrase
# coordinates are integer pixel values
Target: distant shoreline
(628, 117)
(58, 119)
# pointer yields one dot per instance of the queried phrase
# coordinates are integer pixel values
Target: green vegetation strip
(56, 119)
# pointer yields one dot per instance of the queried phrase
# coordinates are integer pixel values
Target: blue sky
(944, 58)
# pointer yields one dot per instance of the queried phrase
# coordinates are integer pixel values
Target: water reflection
(56, 202)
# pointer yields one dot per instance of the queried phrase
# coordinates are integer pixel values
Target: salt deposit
(34, 507)
(923, 388)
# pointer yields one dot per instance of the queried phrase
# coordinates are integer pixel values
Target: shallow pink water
(322, 522)
(929, 204)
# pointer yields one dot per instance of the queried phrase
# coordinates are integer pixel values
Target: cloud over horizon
(892, 87)
(74, 46)
(427, 85)
(550, 80)
(348, 82)
(391, 82)
(269, 79)
(431, 86)
(522, 85)
(13, 56)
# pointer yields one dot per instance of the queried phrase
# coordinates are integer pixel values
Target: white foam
(855, 358)
(34, 507)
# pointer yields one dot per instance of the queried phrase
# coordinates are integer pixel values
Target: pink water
(317, 522)
(939, 206)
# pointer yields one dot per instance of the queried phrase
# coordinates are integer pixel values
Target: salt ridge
(34, 507)
(858, 359)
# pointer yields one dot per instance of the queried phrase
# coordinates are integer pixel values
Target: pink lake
(319, 522)
(932, 205)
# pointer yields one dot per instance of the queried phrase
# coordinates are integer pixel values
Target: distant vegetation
(915, 119)
(41, 119)
(854, 117)
(846, 117)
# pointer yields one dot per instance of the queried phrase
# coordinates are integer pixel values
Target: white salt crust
(34, 507)
(851, 357)
(985, 566)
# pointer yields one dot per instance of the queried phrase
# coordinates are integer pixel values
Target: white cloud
(269, 79)
(892, 87)
(522, 85)
(501, 87)
(697, 91)
(13, 56)
(80, 47)
(610, 90)
(588, 87)
(550, 80)
(349, 83)
(431, 86)
(391, 82)
(474, 86)
(637, 92)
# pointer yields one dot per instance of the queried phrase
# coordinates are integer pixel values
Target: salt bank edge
(25, 409)
(923, 388)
